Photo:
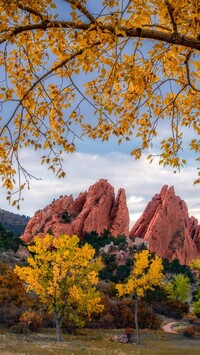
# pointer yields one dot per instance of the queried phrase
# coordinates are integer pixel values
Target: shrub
(147, 318)
(157, 295)
(129, 333)
(196, 308)
(196, 328)
(66, 217)
(107, 275)
(106, 321)
(120, 314)
(189, 332)
(69, 326)
(107, 288)
(47, 319)
(18, 329)
(174, 267)
(191, 318)
(171, 308)
(10, 314)
(123, 271)
(8, 241)
(31, 320)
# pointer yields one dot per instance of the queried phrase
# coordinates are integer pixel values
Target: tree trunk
(57, 321)
(136, 322)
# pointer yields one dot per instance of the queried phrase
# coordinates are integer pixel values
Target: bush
(120, 314)
(129, 333)
(18, 329)
(107, 275)
(196, 308)
(8, 241)
(47, 319)
(99, 241)
(69, 326)
(10, 314)
(147, 318)
(107, 288)
(174, 267)
(123, 271)
(171, 308)
(189, 332)
(196, 329)
(66, 217)
(157, 295)
(31, 320)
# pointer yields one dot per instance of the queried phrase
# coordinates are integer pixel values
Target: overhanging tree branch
(135, 32)
(54, 62)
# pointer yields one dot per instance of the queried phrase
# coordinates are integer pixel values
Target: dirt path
(168, 328)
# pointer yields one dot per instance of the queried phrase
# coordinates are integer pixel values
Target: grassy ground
(96, 342)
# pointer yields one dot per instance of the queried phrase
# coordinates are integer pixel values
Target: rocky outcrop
(168, 229)
(94, 210)
(164, 226)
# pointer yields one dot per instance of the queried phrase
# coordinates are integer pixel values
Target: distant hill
(13, 222)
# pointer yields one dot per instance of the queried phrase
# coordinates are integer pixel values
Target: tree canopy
(64, 276)
(146, 274)
(179, 288)
(75, 68)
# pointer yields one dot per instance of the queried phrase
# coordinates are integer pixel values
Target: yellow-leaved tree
(195, 266)
(100, 68)
(64, 276)
(145, 275)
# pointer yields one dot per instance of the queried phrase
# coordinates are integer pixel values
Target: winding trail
(168, 328)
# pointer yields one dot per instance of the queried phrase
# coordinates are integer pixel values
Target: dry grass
(96, 342)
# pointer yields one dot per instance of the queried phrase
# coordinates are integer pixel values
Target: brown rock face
(95, 210)
(168, 229)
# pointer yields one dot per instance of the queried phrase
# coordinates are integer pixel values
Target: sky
(96, 160)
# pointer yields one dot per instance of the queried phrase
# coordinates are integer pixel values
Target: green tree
(146, 274)
(142, 58)
(174, 267)
(196, 308)
(179, 288)
(8, 240)
(64, 276)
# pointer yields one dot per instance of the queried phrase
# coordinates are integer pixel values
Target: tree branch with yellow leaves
(143, 61)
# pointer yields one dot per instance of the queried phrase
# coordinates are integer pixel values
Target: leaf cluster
(63, 275)
(126, 71)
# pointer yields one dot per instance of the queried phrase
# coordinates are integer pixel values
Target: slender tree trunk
(57, 321)
(136, 322)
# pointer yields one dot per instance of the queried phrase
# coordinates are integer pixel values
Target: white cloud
(140, 180)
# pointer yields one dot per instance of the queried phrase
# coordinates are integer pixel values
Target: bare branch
(32, 11)
(170, 9)
(187, 58)
(158, 26)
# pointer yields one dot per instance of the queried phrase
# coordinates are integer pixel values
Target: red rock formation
(168, 229)
(164, 225)
(95, 210)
